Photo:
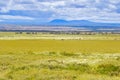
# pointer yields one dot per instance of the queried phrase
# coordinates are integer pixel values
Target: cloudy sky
(46, 10)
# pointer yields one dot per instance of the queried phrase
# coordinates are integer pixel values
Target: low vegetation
(56, 66)
(70, 46)
(59, 59)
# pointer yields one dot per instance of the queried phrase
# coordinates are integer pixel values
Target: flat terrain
(80, 46)
(40, 35)
(59, 57)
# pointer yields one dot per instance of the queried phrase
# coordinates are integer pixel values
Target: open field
(80, 46)
(92, 57)
(59, 66)
(42, 35)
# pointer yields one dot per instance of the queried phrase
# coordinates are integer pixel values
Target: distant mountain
(82, 23)
(61, 22)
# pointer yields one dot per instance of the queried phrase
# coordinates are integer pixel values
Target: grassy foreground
(59, 66)
(59, 57)
(59, 60)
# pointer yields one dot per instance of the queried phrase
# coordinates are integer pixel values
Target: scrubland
(59, 59)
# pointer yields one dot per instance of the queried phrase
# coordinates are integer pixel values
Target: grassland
(59, 57)
(80, 46)
(40, 35)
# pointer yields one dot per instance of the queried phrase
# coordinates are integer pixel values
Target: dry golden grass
(51, 59)
(81, 46)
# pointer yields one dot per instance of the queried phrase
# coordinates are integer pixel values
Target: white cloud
(15, 17)
(97, 10)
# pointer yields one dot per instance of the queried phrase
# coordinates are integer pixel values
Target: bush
(68, 54)
(52, 53)
(79, 67)
(108, 69)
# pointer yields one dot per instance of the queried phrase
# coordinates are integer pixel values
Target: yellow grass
(59, 57)
(80, 46)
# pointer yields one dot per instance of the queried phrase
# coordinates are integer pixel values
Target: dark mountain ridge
(82, 23)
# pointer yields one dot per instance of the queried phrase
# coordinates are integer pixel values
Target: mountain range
(82, 23)
(60, 22)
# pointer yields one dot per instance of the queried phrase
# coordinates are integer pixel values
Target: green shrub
(118, 58)
(52, 53)
(79, 67)
(52, 66)
(68, 54)
(108, 69)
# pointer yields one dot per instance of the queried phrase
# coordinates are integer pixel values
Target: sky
(47, 10)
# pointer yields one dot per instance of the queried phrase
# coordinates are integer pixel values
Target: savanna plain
(45, 56)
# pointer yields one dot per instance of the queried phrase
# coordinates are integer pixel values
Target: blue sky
(46, 10)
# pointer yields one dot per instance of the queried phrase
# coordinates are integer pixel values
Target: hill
(82, 23)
